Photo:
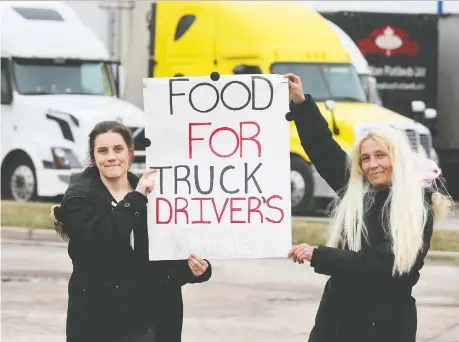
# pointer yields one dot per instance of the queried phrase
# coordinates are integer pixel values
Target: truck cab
(58, 81)
(272, 37)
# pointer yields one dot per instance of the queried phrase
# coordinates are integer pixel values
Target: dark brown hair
(110, 126)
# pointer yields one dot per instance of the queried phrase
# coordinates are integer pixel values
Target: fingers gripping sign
(301, 252)
(197, 265)
(295, 88)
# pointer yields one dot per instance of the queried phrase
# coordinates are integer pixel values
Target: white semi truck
(57, 82)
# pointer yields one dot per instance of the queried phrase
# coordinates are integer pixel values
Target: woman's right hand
(146, 184)
(295, 88)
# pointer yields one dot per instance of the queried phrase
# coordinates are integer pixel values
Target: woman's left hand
(301, 252)
(197, 265)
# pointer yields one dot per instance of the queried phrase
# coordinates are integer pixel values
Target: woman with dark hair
(115, 293)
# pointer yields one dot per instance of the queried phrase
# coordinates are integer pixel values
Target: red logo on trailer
(389, 41)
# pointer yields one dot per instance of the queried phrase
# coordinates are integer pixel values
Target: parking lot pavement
(245, 300)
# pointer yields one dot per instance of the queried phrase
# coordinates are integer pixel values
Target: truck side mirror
(121, 81)
(418, 106)
(6, 86)
(330, 105)
(7, 96)
(430, 113)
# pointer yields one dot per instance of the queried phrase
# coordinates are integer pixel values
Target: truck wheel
(20, 181)
(302, 186)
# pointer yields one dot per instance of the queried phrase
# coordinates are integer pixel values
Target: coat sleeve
(85, 223)
(178, 272)
(185, 276)
(317, 141)
(376, 260)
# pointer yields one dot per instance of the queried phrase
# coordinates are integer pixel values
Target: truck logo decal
(65, 127)
(389, 41)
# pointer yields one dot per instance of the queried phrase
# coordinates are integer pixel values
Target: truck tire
(20, 181)
(302, 186)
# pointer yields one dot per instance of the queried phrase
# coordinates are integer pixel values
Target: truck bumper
(51, 182)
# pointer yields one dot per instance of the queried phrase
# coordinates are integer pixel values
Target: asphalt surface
(245, 300)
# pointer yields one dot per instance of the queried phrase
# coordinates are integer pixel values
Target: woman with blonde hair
(388, 202)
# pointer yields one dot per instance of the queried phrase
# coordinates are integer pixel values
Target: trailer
(414, 60)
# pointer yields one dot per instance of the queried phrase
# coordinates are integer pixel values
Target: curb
(448, 225)
(49, 235)
(30, 234)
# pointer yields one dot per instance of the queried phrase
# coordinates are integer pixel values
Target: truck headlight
(64, 158)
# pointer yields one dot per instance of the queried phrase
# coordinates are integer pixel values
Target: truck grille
(413, 139)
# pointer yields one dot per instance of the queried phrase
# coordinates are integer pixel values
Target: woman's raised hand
(295, 88)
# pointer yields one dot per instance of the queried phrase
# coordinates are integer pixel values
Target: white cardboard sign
(221, 148)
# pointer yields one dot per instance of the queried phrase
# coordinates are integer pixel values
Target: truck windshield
(338, 82)
(50, 76)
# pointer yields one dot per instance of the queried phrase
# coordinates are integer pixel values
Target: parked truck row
(54, 89)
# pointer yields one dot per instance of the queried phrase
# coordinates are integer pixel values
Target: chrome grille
(413, 139)
(425, 142)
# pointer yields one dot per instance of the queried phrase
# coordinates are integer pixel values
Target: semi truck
(192, 38)
(413, 58)
(57, 82)
(370, 87)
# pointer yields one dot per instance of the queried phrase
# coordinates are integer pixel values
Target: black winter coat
(114, 289)
(362, 301)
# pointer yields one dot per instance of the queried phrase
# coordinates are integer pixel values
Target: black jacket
(113, 288)
(362, 301)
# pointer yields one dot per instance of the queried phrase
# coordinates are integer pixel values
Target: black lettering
(248, 97)
(247, 178)
(183, 179)
(253, 93)
(176, 94)
(160, 168)
(211, 108)
(222, 185)
(196, 180)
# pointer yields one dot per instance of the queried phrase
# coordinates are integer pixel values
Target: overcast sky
(426, 6)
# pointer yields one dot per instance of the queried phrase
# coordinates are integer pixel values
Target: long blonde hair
(404, 212)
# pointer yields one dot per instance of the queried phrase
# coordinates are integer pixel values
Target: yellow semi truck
(195, 38)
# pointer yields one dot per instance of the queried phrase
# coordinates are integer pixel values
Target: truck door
(182, 39)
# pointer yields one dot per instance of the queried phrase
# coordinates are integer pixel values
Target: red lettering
(223, 129)
(181, 210)
(252, 138)
(190, 137)
(233, 209)
(161, 199)
(268, 204)
(219, 215)
(201, 200)
(254, 210)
